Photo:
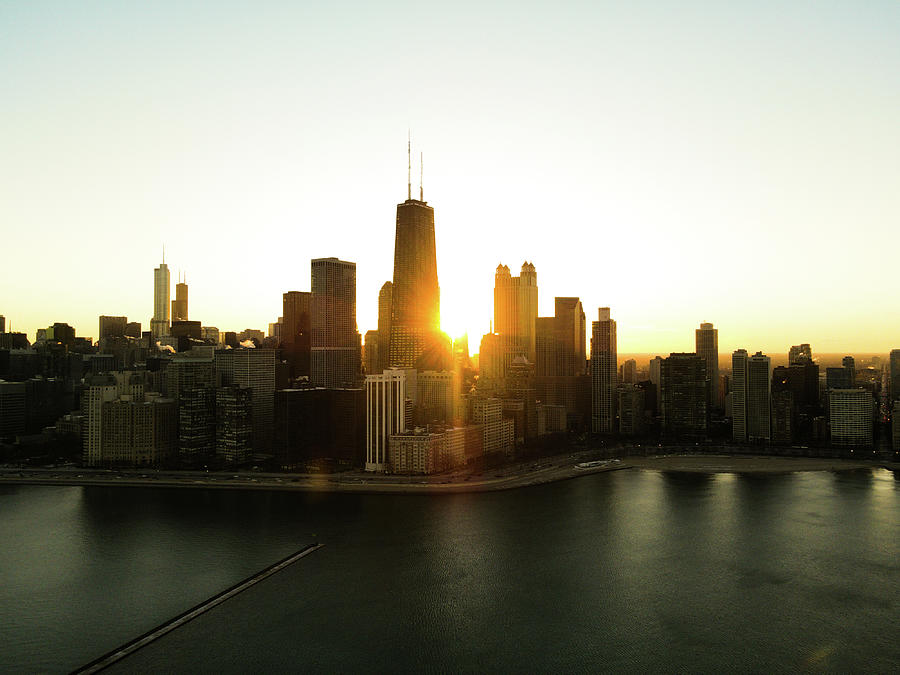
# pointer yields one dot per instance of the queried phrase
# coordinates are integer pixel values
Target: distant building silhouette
(800, 353)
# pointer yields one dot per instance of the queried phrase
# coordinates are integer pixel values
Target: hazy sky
(731, 162)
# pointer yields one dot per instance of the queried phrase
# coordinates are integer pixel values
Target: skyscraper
(603, 373)
(759, 415)
(560, 340)
(295, 331)
(159, 324)
(707, 342)
(385, 415)
(415, 303)
(180, 303)
(684, 411)
(516, 306)
(252, 369)
(385, 299)
(895, 374)
(334, 342)
(739, 362)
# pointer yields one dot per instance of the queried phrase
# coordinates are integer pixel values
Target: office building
(334, 342)
(894, 365)
(838, 378)
(112, 326)
(628, 372)
(371, 352)
(295, 333)
(415, 294)
(800, 354)
(180, 303)
(707, 343)
(516, 306)
(603, 373)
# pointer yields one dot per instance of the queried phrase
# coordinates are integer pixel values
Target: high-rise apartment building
(655, 371)
(851, 414)
(334, 342)
(159, 324)
(707, 343)
(739, 374)
(631, 410)
(603, 373)
(415, 301)
(684, 397)
(385, 415)
(759, 413)
(234, 423)
(295, 331)
(516, 306)
(253, 369)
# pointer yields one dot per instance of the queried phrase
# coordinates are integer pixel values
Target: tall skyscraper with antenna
(415, 302)
(180, 303)
(159, 324)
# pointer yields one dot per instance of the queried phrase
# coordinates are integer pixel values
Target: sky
(732, 162)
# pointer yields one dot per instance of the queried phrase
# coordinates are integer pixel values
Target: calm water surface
(623, 571)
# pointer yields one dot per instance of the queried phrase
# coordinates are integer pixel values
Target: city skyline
(777, 148)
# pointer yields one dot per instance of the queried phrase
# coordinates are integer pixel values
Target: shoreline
(540, 472)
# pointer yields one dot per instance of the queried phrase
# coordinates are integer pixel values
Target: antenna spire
(409, 165)
(164, 254)
(421, 173)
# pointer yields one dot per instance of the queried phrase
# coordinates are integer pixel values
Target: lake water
(621, 571)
